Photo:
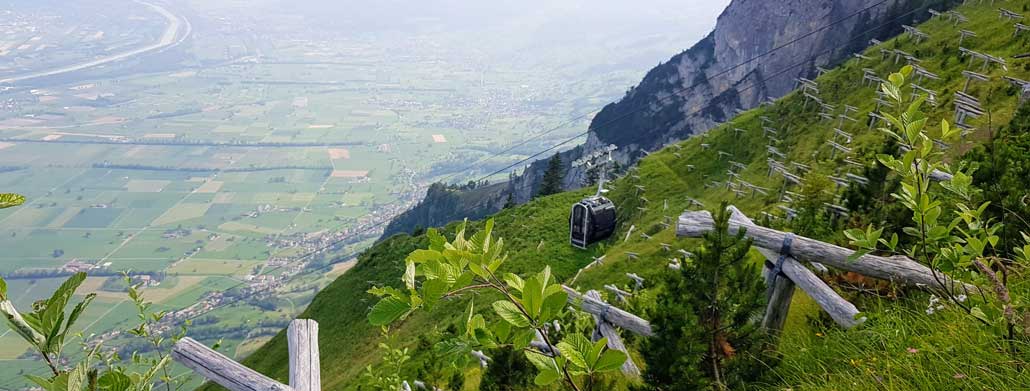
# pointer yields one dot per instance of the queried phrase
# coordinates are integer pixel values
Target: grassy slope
(817, 354)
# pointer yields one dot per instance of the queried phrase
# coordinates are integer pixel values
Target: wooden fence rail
(221, 369)
(899, 269)
(302, 336)
(611, 314)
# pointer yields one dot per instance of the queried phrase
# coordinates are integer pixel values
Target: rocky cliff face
(703, 86)
(443, 204)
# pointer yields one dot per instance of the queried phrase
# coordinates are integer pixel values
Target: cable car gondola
(593, 219)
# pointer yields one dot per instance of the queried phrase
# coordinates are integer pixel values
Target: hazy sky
(695, 17)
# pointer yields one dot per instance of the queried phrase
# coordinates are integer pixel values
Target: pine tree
(706, 335)
(509, 371)
(552, 177)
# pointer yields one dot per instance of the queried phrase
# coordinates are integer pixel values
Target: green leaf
(540, 361)
(8, 200)
(482, 238)
(381, 291)
(523, 338)
(553, 305)
(510, 312)
(897, 79)
(54, 312)
(913, 108)
(464, 279)
(594, 352)
(114, 381)
(388, 310)
(3, 289)
(409, 275)
(17, 323)
(979, 314)
(154, 369)
(78, 310)
(436, 240)
(478, 270)
(502, 330)
(514, 281)
(44, 383)
(468, 316)
(947, 132)
(484, 337)
(857, 254)
(913, 129)
(546, 377)
(76, 377)
(53, 336)
(475, 323)
(420, 256)
(906, 70)
(610, 360)
(574, 348)
(574, 356)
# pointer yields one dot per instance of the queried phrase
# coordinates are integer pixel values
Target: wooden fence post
(842, 311)
(302, 338)
(605, 329)
(778, 304)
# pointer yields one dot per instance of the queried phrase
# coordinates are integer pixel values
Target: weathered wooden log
(221, 369)
(617, 317)
(940, 176)
(842, 311)
(619, 293)
(302, 338)
(778, 305)
(484, 360)
(540, 344)
(638, 282)
(605, 329)
(896, 269)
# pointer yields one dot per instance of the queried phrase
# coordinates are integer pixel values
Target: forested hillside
(907, 342)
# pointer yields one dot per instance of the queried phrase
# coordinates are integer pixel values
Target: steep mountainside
(443, 204)
(703, 86)
(901, 347)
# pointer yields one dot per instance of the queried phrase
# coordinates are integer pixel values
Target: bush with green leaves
(949, 229)
(705, 319)
(1004, 174)
(385, 376)
(47, 329)
(463, 265)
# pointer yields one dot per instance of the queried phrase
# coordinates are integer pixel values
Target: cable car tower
(593, 218)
